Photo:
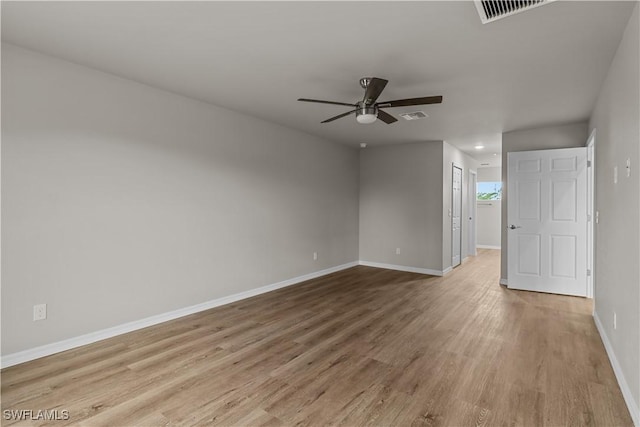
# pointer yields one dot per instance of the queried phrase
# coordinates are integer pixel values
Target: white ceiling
(540, 67)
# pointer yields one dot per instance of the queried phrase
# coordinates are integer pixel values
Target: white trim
(56, 347)
(454, 165)
(488, 247)
(504, 282)
(591, 231)
(404, 268)
(472, 212)
(447, 270)
(624, 387)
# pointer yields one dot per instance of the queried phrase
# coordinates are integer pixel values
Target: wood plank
(363, 346)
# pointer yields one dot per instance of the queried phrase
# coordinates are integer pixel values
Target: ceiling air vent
(492, 10)
(414, 116)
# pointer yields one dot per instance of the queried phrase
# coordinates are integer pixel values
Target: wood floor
(363, 346)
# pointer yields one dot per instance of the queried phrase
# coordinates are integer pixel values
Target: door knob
(513, 227)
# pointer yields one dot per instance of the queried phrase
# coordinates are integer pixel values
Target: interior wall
(542, 138)
(616, 119)
(489, 213)
(121, 201)
(451, 155)
(490, 174)
(400, 205)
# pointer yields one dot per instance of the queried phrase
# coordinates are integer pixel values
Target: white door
(456, 216)
(547, 221)
(472, 203)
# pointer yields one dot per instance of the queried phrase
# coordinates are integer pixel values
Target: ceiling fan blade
(339, 116)
(386, 117)
(325, 102)
(374, 89)
(411, 101)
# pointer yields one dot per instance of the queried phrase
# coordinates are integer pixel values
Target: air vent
(492, 10)
(414, 116)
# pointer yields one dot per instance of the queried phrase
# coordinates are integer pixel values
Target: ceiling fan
(368, 110)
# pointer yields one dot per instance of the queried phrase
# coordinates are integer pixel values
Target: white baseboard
(403, 268)
(504, 282)
(622, 382)
(487, 247)
(446, 270)
(68, 344)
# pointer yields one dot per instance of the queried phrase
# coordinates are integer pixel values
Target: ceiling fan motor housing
(366, 113)
(364, 82)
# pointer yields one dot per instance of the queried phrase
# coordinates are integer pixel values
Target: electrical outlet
(597, 217)
(315, 256)
(397, 251)
(39, 312)
(615, 321)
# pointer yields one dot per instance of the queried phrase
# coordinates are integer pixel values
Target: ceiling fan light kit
(368, 110)
(366, 114)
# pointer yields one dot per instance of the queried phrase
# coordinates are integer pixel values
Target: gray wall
(401, 204)
(121, 201)
(405, 197)
(616, 119)
(492, 174)
(489, 223)
(452, 155)
(543, 138)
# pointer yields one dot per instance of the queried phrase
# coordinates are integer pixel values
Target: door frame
(454, 166)
(591, 168)
(472, 213)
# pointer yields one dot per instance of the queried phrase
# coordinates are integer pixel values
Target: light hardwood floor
(363, 346)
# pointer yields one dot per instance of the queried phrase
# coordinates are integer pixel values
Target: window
(489, 191)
